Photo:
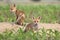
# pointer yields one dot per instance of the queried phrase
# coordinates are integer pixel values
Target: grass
(48, 13)
(41, 35)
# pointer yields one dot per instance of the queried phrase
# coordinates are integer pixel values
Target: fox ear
(33, 17)
(39, 17)
(14, 5)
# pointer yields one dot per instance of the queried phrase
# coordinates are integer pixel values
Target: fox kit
(34, 25)
(20, 16)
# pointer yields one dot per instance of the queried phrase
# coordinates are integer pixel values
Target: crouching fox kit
(20, 16)
(34, 25)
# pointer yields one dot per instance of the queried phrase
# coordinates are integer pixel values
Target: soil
(11, 26)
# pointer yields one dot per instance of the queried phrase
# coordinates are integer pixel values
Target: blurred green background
(48, 13)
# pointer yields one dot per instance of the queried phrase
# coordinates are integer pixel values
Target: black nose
(36, 24)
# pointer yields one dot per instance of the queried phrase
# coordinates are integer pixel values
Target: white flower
(47, 32)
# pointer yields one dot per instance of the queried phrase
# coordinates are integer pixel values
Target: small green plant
(43, 34)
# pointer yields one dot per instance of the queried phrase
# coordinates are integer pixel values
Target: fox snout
(36, 24)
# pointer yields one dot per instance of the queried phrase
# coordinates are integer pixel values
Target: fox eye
(11, 9)
(37, 21)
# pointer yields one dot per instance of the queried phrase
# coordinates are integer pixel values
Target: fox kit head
(12, 8)
(36, 20)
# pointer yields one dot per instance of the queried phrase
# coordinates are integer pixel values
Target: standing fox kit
(34, 25)
(20, 16)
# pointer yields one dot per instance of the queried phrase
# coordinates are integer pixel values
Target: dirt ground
(8, 26)
(11, 26)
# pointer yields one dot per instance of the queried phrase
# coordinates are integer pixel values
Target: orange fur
(32, 26)
(20, 16)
